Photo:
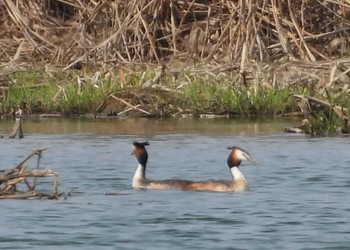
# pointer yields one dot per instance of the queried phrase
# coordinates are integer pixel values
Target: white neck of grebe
(237, 174)
(139, 176)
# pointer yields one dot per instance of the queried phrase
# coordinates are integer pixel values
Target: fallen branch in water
(10, 180)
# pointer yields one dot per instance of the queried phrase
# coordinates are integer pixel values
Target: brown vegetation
(67, 32)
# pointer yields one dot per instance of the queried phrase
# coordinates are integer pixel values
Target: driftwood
(17, 129)
(11, 179)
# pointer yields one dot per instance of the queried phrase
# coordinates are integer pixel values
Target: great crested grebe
(237, 184)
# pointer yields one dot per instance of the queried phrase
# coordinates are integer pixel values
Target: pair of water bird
(237, 184)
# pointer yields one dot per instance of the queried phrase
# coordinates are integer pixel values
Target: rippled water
(299, 196)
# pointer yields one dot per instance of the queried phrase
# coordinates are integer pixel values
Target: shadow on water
(298, 197)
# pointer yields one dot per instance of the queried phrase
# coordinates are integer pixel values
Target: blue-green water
(299, 196)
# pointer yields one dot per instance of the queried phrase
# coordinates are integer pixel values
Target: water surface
(298, 198)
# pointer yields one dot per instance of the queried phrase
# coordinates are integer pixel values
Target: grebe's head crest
(236, 156)
(140, 152)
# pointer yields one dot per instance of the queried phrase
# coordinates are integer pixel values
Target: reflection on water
(143, 126)
(298, 197)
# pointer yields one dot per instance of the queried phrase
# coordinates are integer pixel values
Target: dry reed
(64, 32)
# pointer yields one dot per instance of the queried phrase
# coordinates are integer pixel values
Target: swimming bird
(237, 184)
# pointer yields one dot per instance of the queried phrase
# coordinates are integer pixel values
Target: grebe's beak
(249, 158)
(253, 161)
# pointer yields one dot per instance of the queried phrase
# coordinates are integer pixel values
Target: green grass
(324, 123)
(327, 122)
(200, 93)
(204, 97)
(42, 93)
